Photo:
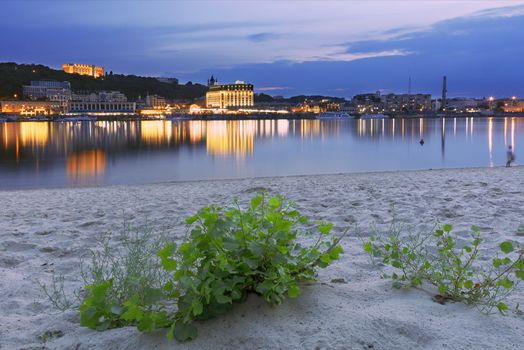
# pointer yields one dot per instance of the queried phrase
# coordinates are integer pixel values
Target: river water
(50, 154)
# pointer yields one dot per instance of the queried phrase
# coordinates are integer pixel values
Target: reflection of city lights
(155, 131)
(86, 165)
(196, 130)
(513, 133)
(506, 131)
(393, 129)
(230, 137)
(490, 140)
(309, 128)
(34, 133)
(282, 127)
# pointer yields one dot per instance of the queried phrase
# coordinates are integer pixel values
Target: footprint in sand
(17, 246)
(9, 262)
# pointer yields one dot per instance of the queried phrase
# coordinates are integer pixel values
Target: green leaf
(397, 264)
(256, 201)
(325, 258)
(303, 220)
(133, 311)
(274, 202)
(197, 307)
(468, 284)
(335, 252)
(223, 299)
(169, 264)
(519, 274)
(325, 228)
(184, 332)
(368, 247)
(190, 220)
(497, 262)
(293, 291)
(442, 289)
(505, 283)
(506, 247)
(447, 228)
(502, 307)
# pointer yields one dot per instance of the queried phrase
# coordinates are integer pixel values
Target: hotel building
(238, 94)
(83, 69)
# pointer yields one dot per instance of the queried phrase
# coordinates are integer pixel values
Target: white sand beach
(47, 231)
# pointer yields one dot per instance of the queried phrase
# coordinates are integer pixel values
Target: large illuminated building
(83, 69)
(238, 94)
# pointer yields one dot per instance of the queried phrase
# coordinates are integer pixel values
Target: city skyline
(330, 48)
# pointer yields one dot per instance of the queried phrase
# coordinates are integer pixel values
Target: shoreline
(46, 231)
(261, 116)
(196, 181)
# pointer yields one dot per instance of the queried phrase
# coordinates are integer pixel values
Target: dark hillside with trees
(13, 76)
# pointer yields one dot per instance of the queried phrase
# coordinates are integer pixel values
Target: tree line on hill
(13, 76)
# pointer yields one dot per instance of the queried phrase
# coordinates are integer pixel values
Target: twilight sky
(336, 48)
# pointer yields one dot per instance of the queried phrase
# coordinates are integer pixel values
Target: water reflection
(224, 138)
(86, 167)
(42, 152)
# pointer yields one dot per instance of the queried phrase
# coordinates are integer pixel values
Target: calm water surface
(48, 154)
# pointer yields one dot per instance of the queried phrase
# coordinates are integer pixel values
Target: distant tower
(212, 81)
(409, 86)
(444, 91)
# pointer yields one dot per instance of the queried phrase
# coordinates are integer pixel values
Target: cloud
(273, 88)
(481, 56)
(507, 11)
(261, 37)
(352, 56)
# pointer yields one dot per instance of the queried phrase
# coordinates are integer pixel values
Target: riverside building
(102, 103)
(406, 102)
(30, 108)
(84, 69)
(234, 95)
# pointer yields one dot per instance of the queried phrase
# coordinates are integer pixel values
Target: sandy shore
(48, 230)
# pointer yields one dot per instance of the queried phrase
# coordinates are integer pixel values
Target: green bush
(438, 259)
(228, 254)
